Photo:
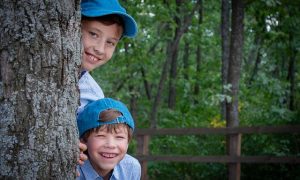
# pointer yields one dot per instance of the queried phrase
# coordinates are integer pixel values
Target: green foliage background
(264, 96)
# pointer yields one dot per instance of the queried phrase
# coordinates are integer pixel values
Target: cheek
(92, 144)
(110, 53)
(85, 43)
(124, 146)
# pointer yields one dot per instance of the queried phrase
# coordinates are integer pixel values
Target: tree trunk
(181, 28)
(40, 55)
(147, 85)
(171, 47)
(157, 98)
(234, 70)
(173, 76)
(186, 57)
(198, 54)
(254, 58)
(255, 68)
(254, 52)
(173, 54)
(291, 73)
(133, 104)
(225, 24)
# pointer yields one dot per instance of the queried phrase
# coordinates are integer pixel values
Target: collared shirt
(128, 168)
(89, 90)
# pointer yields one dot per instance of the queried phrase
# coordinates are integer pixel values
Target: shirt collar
(82, 73)
(90, 173)
(116, 172)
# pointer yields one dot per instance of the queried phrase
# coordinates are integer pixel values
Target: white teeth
(108, 155)
(93, 58)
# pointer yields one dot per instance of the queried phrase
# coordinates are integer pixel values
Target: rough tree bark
(225, 24)
(291, 73)
(198, 55)
(40, 56)
(185, 58)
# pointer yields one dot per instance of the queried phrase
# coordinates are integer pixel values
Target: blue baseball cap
(96, 8)
(89, 118)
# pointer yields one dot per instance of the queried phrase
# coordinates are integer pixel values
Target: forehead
(102, 26)
(113, 128)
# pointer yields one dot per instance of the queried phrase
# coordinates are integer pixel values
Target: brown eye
(110, 43)
(93, 34)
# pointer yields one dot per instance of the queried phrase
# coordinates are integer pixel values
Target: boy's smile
(108, 155)
(99, 43)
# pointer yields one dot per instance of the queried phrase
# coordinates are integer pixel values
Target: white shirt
(89, 90)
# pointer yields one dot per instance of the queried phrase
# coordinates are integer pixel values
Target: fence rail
(143, 138)
(228, 130)
(221, 159)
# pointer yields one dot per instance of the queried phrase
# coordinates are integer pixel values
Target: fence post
(142, 149)
(234, 169)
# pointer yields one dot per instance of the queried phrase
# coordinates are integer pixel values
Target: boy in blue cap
(104, 23)
(106, 127)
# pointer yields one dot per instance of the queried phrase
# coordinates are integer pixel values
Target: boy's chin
(86, 67)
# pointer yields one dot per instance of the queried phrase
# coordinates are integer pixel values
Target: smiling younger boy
(106, 127)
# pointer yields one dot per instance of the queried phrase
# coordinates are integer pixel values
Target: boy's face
(99, 43)
(107, 149)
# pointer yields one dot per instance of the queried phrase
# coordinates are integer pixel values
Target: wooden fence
(143, 137)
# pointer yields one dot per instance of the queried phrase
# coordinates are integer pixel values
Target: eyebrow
(93, 29)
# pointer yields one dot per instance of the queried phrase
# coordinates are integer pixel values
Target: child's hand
(82, 156)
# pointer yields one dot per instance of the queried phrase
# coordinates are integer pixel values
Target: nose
(99, 48)
(110, 143)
